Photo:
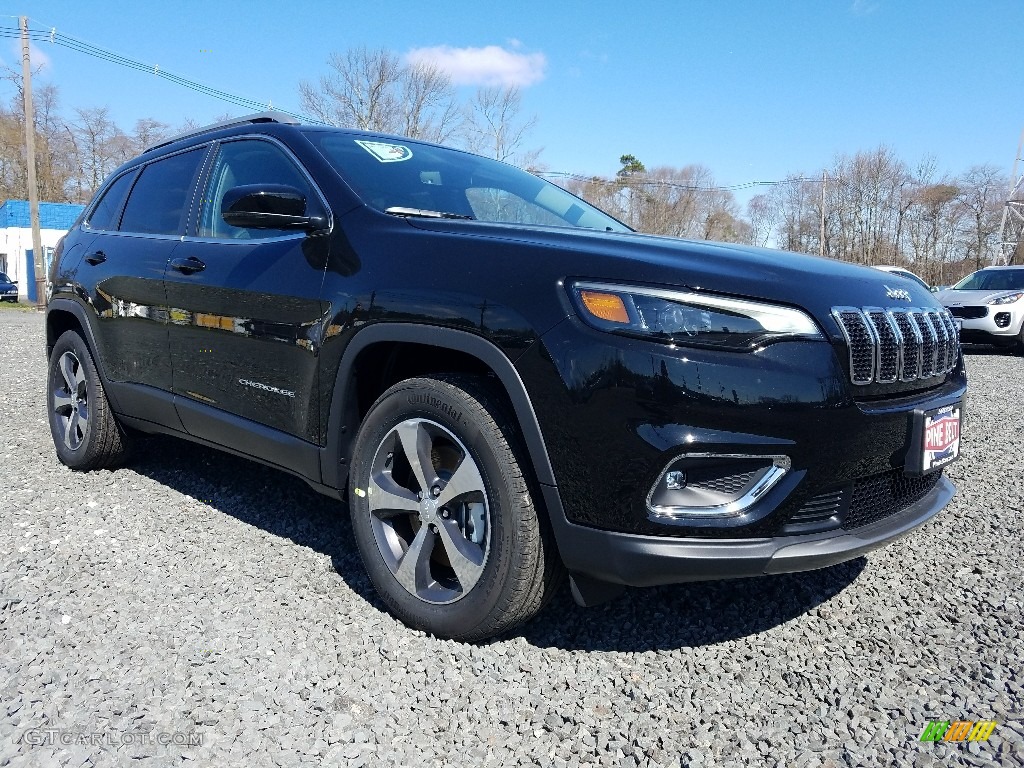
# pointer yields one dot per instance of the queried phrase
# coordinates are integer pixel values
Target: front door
(245, 309)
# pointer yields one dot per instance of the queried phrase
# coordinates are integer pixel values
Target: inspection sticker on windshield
(386, 153)
(941, 438)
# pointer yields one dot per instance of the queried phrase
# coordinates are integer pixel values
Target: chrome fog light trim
(779, 466)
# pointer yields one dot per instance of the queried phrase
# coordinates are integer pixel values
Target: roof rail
(270, 116)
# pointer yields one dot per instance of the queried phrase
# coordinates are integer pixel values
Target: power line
(638, 180)
(58, 38)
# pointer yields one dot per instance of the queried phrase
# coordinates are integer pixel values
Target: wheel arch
(469, 351)
(67, 315)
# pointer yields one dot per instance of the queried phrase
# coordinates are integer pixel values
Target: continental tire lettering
(266, 387)
(433, 402)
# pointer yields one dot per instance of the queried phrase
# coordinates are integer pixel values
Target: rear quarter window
(108, 210)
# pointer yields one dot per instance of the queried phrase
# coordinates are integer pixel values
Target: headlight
(1007, 299)
(678, 317)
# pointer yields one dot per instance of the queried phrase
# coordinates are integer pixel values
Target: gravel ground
(197, 609)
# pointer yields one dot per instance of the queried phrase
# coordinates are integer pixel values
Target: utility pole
(821, 237)
(30, 159)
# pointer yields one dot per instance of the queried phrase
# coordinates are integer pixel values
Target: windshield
(4, 278)
(406, 178)
(993, 280)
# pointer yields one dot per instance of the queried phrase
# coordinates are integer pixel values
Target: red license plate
(940, 439)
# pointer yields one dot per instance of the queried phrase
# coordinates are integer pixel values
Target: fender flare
(343, 419)
(76, 309)
(72, 307)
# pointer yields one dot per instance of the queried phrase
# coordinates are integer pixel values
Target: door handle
(96, 258)
(188, 266)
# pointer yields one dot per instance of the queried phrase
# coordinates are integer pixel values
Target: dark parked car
(8, 288)
(505, 382)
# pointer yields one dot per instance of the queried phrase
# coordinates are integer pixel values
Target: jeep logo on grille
(896, 293)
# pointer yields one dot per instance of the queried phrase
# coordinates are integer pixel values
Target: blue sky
(753, 90)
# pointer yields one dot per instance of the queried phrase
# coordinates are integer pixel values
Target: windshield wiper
(424, 214)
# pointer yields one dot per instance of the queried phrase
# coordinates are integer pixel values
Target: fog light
(675, 481)
(706, 485)
(1002, 319)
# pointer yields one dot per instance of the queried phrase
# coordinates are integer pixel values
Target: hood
(952, 298)
(809, 282)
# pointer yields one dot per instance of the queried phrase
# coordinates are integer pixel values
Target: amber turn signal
(605, 306)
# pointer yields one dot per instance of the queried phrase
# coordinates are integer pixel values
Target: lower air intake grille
(725, 483)
(879, 496)
(969, 313)
(820, 508)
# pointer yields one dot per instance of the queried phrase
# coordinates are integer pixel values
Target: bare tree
(763, 219)
(100, 145)
(429, 107)
(982, 196)
(373, 90)
(679, 202)
(494, 127)
(147, 133)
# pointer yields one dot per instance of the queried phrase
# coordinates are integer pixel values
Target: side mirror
(268, 206)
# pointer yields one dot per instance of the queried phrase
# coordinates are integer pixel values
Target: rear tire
(86, 434)
(443, 514)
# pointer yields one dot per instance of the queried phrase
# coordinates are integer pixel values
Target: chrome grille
(928, 347)
(888, 345)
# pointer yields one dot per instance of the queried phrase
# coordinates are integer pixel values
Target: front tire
(86, 434)
(443, 514)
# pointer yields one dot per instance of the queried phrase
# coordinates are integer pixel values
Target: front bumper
(643, 561)
(986, 330)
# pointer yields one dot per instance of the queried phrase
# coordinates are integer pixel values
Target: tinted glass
(993, 280)
(241, 163)
(396, 174)
(159, 197)
(4, 278)
(107, 211)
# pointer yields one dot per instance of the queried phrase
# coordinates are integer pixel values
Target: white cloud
(863, 7)
(490, 65)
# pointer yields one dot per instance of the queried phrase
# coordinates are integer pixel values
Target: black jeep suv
(507, 383)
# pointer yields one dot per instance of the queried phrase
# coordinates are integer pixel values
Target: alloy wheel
(429, 511)
(71, 400)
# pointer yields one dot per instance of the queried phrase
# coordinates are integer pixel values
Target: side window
(241, 163)
(104, 216)
(503, 206)
(161, 194)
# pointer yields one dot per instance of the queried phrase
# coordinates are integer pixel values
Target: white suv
(989, 305)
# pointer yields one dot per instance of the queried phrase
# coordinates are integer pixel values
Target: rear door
(137, 224)
(245, 308)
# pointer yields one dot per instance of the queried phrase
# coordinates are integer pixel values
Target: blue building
(16, 238)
